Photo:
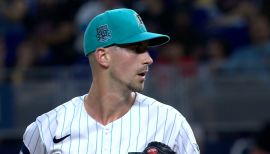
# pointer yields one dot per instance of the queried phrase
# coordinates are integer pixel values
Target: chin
(137, 88)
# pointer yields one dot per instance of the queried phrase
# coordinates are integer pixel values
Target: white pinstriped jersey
(147, 120)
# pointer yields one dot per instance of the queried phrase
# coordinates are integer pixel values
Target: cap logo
(103, 33)
(139, 19)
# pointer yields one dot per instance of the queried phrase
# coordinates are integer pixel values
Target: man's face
(129, 65)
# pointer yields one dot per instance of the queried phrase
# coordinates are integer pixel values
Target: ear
(102, 57)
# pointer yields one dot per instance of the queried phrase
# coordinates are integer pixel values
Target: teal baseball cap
(118, 26)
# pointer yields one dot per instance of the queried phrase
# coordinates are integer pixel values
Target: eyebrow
(139, 45)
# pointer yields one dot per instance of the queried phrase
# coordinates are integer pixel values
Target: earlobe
(102, 57)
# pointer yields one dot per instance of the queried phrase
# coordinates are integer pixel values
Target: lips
(143, 73)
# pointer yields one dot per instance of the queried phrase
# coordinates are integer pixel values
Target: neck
(105, 105)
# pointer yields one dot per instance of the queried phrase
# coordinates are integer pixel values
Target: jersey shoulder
(58, 120)
(155, 104)
(61, 110)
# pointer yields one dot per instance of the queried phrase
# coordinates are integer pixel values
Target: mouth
(142, 74)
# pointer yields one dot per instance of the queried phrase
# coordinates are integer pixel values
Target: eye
(141, 48)
(136, 47)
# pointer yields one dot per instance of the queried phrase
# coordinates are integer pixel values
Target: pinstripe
(130, 125)
(147, 125)
(27, 132)
(165, 124)
(49, 127)
(183, 145)
(111, 139)
(71, 128)
(40, 128)
(80, 130)
(102, 141)
(172, 128)
(63, 123)
(31, 137)
(55, 113)
(156, 122)
(120, 136)
(36, 144)
(96, 137)
(187, 137)
(87, 119)
(55, 118)
(139, 126)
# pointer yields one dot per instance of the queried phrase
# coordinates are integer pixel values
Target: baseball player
(114, 117)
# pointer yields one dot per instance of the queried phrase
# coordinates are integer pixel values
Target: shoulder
(40, 133)
(61, 110)
(159, 107)
(50, 123)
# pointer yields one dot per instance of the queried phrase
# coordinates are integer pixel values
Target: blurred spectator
(12, 28)
(53, 24)
(257, 144)
(174, 55)
(84, 14)
(209, 38)
(25, 60)
(3, 68)
(90, 9)
(202, 13)
(11, 13)
(255, 57)
(170, 54)
(6, 96)
(174, 71)
(226, 20)
(264, 8)
(217, 53)
(215, 66)
(183, 3)
(183, 30)
(43, 52)
(155, 10)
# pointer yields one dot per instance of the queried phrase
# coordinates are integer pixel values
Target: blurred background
(215, 70)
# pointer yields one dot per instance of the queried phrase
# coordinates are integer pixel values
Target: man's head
(118, 26)
(117, 42)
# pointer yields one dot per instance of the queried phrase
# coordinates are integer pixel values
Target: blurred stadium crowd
(209, 37)
(226, 36)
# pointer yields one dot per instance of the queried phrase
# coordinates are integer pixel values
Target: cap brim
(154, 39)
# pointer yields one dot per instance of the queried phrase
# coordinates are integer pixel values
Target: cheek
(124, 62)
(122, 70)
(126, 66)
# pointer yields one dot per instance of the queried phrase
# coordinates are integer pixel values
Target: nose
(147, 58)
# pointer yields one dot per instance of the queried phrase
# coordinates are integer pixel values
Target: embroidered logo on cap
(103, 33)
(139, 20)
